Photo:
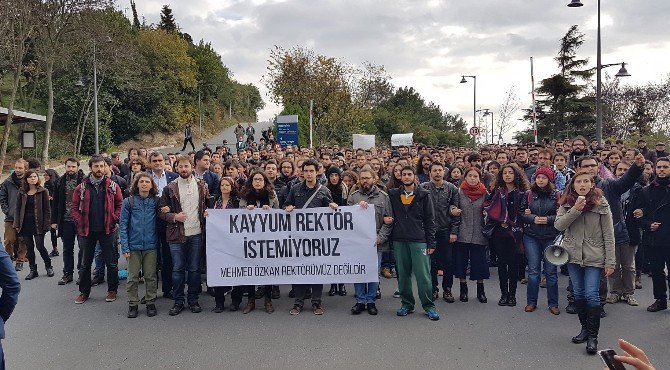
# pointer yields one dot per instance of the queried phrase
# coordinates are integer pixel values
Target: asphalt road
(47, 330)
(227, 134)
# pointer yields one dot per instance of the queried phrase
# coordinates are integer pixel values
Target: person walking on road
(188, 137)
(33, 221)
(413, 242)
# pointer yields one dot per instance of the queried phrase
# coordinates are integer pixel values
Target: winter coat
(588, 236)
(414, 223)
(472, 219)
(81, 202)
(444, 199)
(9, 192)
(380, 200)
(656, 208)
(613, 189)
(175, 232)
(300, 194)
(542, 204)
(60, 198)
(42, 210)
(138, 225)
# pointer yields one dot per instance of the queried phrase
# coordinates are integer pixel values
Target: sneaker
(195, 307)
(111, 297)
(81, 299)
(176, 309)
(404, 311)
(275, 292)
(396, 294)
(19, 266)
(659, 305)
(97, 281)
(612, 298)
(132, 312)
(448, 297)
(543, 282)
(317, 309)
(433, 315)
(628, 298)
(372, 309)
(54, 253)
(65, 280)
(295, 310)
(394, 273)
(386, 272)
(436, 295)
(151, 310)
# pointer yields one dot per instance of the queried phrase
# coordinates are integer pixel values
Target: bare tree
(508, 108)
(18, 27)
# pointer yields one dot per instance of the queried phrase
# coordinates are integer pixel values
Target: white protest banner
(305, 246)
(402, 139)
(361, 141)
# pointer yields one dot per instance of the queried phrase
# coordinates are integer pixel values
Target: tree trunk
(50, 113)
(10, 116)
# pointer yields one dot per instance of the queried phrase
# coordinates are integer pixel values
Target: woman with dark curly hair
(503, 208)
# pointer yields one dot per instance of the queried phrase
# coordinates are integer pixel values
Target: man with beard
(660, 150)
(521, 158)
(61, 216)
(9, 193)
(187, 199)
(444, 196)
(413, 242)
(369, 194)
(578, 150)
(96, 209)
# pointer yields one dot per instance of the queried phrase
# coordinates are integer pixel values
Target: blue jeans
(367, 292)
(535, 255)
(586, 283)
(2, 356)
(186, 269)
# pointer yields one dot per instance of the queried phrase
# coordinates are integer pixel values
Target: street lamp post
(599, 67)
(95, 94)
(474, 103)
(486, 113)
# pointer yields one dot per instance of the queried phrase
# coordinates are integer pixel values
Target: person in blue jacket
(139, 241)
(9, 283)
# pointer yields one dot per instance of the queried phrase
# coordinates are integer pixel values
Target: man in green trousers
(413, 242)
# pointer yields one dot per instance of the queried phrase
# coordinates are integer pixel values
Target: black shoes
(50, 271)
(580, 309)
(333, 290)
(151, 310)
(659, 305)
(33, 274)
(357, 308)
(372, 309)
(54, 253)
(291, 294)
(176, 309)
(218, 308)
(234, 307)
(464, 292)
(447, 296)
(504, 300)
(603, 314)
(97, 281)
(275, 292)
(570, 308)
(195, 307)
(481, 296)
(436, 295)
(132, 312)
(593, 327)
(260, 292)
(342, 290)
(511, 300)
(19, 266)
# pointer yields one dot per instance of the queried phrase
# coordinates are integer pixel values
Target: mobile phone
(607, 355)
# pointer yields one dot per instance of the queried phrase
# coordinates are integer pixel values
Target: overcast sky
(428, 44)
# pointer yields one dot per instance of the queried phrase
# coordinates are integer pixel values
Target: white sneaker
(630, 300)
(612, 298)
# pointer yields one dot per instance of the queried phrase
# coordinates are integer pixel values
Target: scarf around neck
(473, 192)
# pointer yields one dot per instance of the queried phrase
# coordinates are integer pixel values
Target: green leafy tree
(167, 22)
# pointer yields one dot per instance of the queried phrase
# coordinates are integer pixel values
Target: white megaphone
(555, 253)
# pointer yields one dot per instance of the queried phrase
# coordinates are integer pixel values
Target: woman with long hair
(394, 180)
(137, 165)
(455, 175)
(33, 220)
(227, 199)
(340, 192)
(586, 220)
(258, 192)
(539, 214)
(422, 168)
(503, 207)
(470, 248)
(50, 180)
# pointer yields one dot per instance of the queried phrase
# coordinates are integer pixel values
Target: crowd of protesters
(440, 211)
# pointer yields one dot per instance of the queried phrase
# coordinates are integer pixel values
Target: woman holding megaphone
(586, 219)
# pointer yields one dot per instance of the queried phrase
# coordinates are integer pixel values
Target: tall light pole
(474, 104)
(486, 113)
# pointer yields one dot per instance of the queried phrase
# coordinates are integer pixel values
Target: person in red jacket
(96, 209)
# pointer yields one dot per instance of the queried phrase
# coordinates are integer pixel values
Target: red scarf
(473, 192)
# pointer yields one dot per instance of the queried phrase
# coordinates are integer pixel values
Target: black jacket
(613, 189)
(542, 204)
(656, 208)
(416, 222)
(300, 194)
(58, 210)
(444, 199)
